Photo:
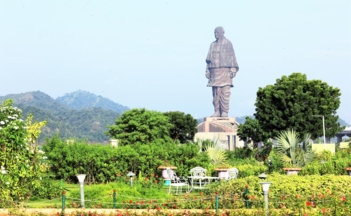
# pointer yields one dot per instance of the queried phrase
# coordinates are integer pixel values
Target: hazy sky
(152, 53)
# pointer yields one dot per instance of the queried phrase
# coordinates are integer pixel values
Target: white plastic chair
(175, 181)
(233, 173)
(198, 178)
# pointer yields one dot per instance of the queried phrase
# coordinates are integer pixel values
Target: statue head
(219, 32)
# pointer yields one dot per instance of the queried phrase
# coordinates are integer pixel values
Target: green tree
(291, 103)
(183, 126)
(140, 126)
(252, 131)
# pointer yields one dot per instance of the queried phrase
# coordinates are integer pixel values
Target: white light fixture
(265, 186)
(131, 175)
(81, 178)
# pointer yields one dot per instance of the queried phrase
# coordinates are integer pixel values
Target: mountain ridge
(82, 99)
(80, 114)
(87, 123)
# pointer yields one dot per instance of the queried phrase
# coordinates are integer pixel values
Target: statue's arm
(232, 72)
(207, 72)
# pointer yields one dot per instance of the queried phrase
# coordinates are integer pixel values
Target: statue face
(219, 33)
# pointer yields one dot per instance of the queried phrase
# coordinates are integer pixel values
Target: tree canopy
(183, 126)
(251, 131)
(140, 126)
(292, 102)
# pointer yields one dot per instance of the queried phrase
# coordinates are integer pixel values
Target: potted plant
(294, 152)
(164, 166)
(222, 170)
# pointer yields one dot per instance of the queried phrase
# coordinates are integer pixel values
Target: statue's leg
(224, 97)
(215, 94)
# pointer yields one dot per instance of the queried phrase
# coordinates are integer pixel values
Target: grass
(101, 195)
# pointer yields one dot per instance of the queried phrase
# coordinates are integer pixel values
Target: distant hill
(343, 123)
(89, 123)
(82, 99)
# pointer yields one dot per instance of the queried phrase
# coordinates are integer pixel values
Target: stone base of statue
(222, 130)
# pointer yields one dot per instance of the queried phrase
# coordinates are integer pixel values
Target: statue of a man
(220, 70)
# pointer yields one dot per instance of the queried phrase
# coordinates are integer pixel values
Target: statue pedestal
(220, 129)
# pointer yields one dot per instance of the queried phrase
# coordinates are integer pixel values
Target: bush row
(103, 163)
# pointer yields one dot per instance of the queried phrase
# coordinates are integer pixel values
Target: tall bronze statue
(220, 70)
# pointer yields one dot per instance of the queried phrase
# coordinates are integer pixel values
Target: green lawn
(101, 195)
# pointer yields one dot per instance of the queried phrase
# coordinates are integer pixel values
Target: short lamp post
(265, 188)
(81, 178)
(323, 128)
(131, 175)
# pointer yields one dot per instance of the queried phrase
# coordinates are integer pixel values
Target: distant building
(114, 142)
(69, 141)
(223, 130)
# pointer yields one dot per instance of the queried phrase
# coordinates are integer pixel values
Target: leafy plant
(215, 152)
(21, 160)
(291, 152)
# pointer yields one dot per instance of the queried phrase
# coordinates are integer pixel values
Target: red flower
(247, 186)
(305, 214)
(308, 203)
(324, 210)
(164, 204)
(343, 198)
(130, 201)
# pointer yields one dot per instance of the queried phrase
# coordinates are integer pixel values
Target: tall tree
(291, 103)
(183, 126)
(140, 126)
(252, 131)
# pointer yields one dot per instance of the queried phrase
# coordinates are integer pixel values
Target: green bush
(103, 163)
(291, 192)
(48, 189)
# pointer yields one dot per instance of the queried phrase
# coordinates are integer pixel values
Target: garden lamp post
(81, 178)
(265, 188)
(131, 175)
(323, 128)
